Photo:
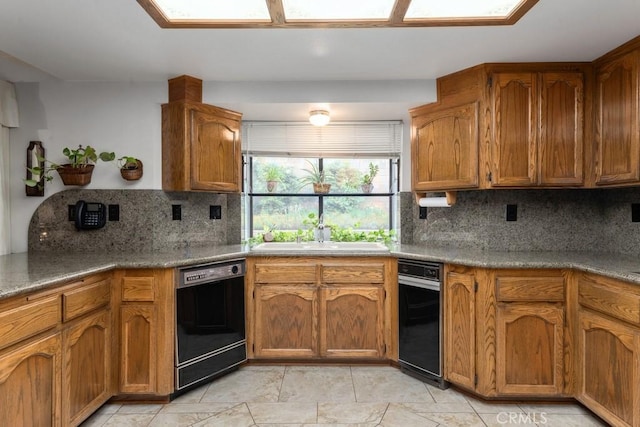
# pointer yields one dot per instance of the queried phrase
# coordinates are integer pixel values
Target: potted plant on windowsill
(77, 171)
(318, 178)
(272, 176)
(367, 179)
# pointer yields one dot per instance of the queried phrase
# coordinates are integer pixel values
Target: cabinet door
(286, 321)
(215, 153)
(513, 149)
(30, 384)
(445, 149)
(561, 129)
(609, 369)
(460, 329)
(351, 322)
(138, 344)
(529, 354)
(617, 121)
(86, 381)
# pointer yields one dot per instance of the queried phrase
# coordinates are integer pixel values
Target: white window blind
(341, 139)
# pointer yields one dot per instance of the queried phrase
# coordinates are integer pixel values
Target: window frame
(394, 185)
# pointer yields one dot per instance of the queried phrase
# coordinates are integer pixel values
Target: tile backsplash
(145, 222)
(572, 220)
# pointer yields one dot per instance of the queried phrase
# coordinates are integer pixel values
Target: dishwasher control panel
(419, 269)
(211, 272)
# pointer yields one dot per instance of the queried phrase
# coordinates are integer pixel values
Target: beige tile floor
(291, 396)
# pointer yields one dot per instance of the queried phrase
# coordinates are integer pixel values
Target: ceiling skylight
(236, 10)
(320, 10)
(333, 13)
(451, 9)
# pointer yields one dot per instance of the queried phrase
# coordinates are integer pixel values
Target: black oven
(210, 330)
(420, 315)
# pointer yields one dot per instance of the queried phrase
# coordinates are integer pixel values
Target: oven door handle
(419, 283)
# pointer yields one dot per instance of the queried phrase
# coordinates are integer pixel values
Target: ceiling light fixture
(319, 117)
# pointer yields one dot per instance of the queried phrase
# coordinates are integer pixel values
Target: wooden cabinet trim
(531, 350)
(136, 288)
(84, 299)
(617, 125)
(197, 155)
(87, 383)
(285, 273)
(444, 146)
(520, 288)
(46, 354)
(617, 400)
(369, 273)
(29, 319)
(610, 297)
(361, 338)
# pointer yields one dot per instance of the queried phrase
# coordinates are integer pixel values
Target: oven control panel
(419, 269)
(211, 273)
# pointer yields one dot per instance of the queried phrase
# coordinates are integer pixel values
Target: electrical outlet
(114, 212)
(423, 212)
(176, 212)
(512, 212)
(215, 212)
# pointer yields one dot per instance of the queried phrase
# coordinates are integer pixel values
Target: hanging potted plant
(77, 171)
(367, 179)
(130, 168)
(317, 178)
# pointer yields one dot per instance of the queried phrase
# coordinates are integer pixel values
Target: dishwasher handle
(419, 283)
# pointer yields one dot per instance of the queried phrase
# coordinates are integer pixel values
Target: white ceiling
(115, 40)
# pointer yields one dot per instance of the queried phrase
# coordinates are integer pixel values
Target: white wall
(125, 118)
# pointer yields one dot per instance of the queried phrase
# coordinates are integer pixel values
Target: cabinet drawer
(138, 289)
(285, 273)
(82, 300)
(609, 297)
(345, 273)
(514, 288)
(28, 320)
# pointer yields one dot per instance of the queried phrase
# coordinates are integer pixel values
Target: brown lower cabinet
(87, 365)
(505, 332)
(60, 348)
(321, 308)
(146, 299)
(56, 357)
(544, 333)
(31, 382)
(609, 349)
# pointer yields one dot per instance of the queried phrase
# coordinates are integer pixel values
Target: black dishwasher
(420, 320)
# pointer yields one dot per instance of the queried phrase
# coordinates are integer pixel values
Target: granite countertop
(25, 272)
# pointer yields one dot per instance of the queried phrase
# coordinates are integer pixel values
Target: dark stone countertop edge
(27, 272)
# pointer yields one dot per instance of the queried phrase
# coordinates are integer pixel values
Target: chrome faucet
(320, 229)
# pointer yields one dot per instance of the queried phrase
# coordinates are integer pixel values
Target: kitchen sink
(324, 246)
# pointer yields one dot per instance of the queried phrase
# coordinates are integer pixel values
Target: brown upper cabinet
(446, 142)
(201, 145)
(537, 127)
(541, 125)
(617, 120)
(502, 125)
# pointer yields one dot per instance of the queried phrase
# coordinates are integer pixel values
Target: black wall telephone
(90, 215)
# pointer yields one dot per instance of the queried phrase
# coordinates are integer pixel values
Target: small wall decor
(35, 169)
(130, 168)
